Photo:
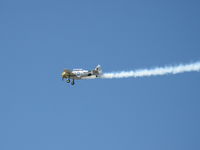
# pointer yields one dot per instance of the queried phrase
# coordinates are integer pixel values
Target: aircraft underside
(72, 79)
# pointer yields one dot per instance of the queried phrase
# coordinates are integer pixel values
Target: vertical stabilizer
(99, 69)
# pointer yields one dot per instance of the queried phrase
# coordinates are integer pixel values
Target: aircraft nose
(63, 75)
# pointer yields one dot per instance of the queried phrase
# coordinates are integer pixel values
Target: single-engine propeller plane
(78, 74)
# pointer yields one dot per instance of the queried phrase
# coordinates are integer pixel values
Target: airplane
(78, 74)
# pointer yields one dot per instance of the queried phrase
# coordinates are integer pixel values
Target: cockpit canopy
(77, 69)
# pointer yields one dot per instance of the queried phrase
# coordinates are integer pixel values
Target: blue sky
(38, 39)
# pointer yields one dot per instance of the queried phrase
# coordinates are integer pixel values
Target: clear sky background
(39, 38)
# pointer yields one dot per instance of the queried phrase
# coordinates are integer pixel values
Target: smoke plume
(158, 71)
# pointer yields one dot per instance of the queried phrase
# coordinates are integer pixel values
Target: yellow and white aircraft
(78, 74)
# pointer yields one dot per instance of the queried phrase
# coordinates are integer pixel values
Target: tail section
(99, 69)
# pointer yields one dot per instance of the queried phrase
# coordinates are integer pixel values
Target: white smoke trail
(154, 72)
